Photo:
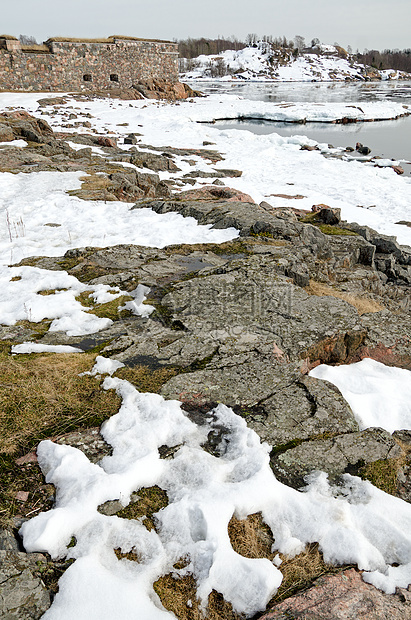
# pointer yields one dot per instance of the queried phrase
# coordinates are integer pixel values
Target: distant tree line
(191, 48)
(387, 59)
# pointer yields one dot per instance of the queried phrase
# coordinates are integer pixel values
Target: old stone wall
(69, 65)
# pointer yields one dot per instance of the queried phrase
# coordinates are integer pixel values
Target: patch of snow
(137, 306)
(18, 143)
(28, 202)
(377, 394)
(353, 523)
(104, 366)
(77, 147)
(34, 347)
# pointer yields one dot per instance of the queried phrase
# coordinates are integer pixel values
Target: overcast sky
(372, 24)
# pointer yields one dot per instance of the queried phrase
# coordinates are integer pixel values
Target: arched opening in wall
(113, 77)
(87, 77)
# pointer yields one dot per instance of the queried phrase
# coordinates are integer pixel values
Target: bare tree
(299, 42)
(26, 39)
(251, 39)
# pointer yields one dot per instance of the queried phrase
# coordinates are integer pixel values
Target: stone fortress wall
(75, 64)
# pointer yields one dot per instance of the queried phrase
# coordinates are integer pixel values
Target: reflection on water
(312, 91)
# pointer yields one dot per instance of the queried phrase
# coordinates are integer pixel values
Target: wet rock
(343, 597)
(219, 174)
(161, 89)
(23, 594)
(8, 541)
(134, 185)
(362, 150)
(23, 125)
(330, 216)
(307, 147)
(388, 339)
(248, 218)
(131, 139)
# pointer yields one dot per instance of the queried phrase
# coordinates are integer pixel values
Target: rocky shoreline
(240, 323)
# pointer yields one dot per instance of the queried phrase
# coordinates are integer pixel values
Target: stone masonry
(76, 64)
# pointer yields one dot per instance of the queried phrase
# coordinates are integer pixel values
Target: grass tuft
(42, 396)
(146, 379)
(179, 595)
(363, 304)
(383, 474)
(110, 310)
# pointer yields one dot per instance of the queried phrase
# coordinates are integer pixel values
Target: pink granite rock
(343, 597)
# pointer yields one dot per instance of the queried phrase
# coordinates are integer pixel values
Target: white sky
(372, 24)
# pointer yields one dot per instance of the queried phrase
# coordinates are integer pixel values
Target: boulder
(344, 596)
(210, 192)
(106, 141)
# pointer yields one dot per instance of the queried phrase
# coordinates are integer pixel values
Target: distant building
(74, 64)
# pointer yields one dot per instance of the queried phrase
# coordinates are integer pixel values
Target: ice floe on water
(353, 522)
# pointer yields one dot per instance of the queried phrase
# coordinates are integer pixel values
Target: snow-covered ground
(353, 523)
(270, 163)
(261, 63)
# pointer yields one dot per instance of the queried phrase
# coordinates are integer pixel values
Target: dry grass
(110, 309)
(300, 572)
(42, 396)
(146, 379)
(252, 538)
(383, 474)
(363, 304)
(179, 595)
(109, 39)
(40, 48)
(151, 500)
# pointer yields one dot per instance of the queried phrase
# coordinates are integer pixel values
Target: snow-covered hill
(263, 62)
